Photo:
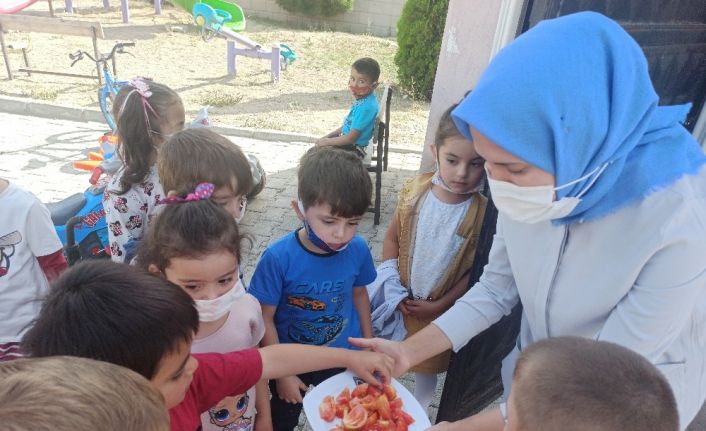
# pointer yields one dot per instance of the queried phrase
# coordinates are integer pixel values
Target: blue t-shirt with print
(313, 292)
(361, 117)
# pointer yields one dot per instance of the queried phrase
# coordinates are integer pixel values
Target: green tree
(316, 7)
(419, 34)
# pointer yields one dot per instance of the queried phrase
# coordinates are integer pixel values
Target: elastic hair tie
(202, 192)
(141, 87)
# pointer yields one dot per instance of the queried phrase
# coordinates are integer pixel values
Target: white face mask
(439, 181)
(213, 309)
(536, 204)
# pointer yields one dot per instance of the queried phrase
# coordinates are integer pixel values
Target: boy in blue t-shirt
(311, 282)
(358, 125)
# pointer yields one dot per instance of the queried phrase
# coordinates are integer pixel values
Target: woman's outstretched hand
(393, 349)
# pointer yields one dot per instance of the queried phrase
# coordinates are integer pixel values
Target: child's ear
(433, 152)
(297, 211)
(153, 269)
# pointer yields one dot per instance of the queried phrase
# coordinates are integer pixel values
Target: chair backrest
(38, 24)
(383, 118)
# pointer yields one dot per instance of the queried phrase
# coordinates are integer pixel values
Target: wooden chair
(381, 143)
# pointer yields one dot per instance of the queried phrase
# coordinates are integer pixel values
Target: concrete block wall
(376, 17)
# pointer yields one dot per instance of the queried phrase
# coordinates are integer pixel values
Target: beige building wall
(475, 30)
(376, 17)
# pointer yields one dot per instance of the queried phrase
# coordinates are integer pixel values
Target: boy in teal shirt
(357, 128)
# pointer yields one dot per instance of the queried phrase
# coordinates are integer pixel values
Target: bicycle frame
(108, 91)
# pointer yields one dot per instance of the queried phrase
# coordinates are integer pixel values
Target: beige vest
(411, 199)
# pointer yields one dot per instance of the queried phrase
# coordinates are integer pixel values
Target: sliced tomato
(354, 402)
(372, 390)
(327, 409)
(406, 417)
(360, 390)
(355, 419)
(341, 409)
(384, 425)
(373, 418)
(396, 404)
(368, 402)
(389, 391)
(382, 405)
(401, 426)
(344, 397)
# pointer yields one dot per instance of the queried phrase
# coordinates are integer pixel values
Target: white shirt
(26, 232)
(436, 242)
(636, 277)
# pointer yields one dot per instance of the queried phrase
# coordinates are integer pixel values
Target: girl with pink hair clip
(146, 113)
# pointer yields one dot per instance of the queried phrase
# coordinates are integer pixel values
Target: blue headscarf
(573, 94)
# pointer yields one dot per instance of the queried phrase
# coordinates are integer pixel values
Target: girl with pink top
(195, 244)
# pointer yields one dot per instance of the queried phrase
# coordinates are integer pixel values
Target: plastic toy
(218, 17)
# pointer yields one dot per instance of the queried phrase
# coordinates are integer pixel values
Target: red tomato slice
(355, 418)
(344, 397)
(327, 409)
(373, 418)
(396, 404)
(401, 426)
(382, 405)
(389, 391)
(406, 417)
(372, 390)
(360, 390)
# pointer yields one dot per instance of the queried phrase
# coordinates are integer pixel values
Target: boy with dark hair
(64, 393)
(311, 283)
(577, 384)
(123, 315)
(357, 129)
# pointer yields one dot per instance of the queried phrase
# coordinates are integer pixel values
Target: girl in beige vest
(433, 236)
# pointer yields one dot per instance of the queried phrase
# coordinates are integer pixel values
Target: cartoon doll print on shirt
(229, 413)
(7, 250)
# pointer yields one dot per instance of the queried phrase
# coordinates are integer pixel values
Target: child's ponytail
(138, 110)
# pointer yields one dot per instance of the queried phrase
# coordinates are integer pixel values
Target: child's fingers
(363, 343)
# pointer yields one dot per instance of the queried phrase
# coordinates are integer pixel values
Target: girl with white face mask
(431, 242)
(195, 244)
(602, 201)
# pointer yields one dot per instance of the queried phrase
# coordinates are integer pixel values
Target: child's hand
(371, 366)
(392, 349)
(290, 389)
(403, 308)
(423, 309)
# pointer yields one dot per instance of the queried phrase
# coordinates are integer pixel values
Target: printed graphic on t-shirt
(229, 414)
(319, 320)
(7, 250)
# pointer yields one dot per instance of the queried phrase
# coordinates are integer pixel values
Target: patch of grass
(220, 98)
(48, 94)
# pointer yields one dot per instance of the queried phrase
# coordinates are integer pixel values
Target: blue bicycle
(111, 86)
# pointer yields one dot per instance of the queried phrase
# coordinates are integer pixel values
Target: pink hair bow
(202, 192)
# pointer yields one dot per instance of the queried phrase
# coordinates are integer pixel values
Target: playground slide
(236, 24)
(12, 6)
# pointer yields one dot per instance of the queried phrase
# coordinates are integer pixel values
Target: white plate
(334, 385)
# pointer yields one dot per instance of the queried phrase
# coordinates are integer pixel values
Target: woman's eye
(517, 171)
(225, 280)
(451, 161)
(191, 286)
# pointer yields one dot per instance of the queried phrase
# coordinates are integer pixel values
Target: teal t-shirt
(361, 117)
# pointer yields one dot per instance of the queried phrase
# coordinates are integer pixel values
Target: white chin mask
(213, 309)
(536, 204)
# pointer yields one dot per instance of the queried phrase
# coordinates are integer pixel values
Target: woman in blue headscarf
(602, 201)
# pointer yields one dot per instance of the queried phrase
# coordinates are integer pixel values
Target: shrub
(316, 7)
(419, 34)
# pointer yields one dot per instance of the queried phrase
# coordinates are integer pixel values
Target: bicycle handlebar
(118, 47)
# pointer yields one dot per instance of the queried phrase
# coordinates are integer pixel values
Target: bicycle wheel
(106, 98)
